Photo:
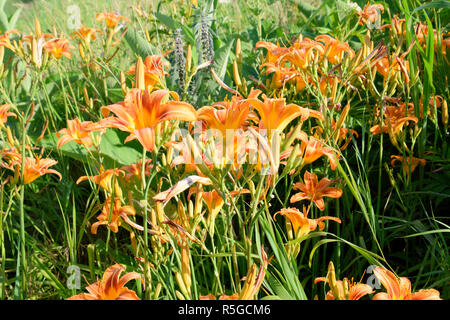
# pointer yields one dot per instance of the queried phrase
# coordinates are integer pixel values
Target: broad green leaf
(167, 21)
(279, 289)
(139, 44)
(286, 264)
(114, 151)
(14, 18)
(221, 59)
(113, 147)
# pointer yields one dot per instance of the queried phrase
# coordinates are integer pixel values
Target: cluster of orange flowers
(392, 120)
(112, 287)
(397, 288)
(290, 64)
(35, 48)
(33, 167)
(12, 159)
(398, 27)
(145, 114)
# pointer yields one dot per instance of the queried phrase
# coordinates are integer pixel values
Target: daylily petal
(359, 290)
(426, 294)
(381, 296)
(127, 294)
(389, 281)
(179, 187)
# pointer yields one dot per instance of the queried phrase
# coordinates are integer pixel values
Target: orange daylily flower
(230, 119)
(34, 167)
(303, 52)
(59, 48)
(113, 217)
(422, 35)
(440, 101)
(286, 63)
(276, 115)
(111, 287)
(395, 117)
(421, 30)
(274, 51)
(188, 154)
(400, 288)
(314, 190)
(215, 202)
(154, 71)
(343, 289)
(5, 40)
(86, 34)
(334, 49)
(12, 154)
(179, 187)
(40, 39)
(141, 110)
(135, 169)
(397, 26)
(112, 18)
(303, 225)
(312, 149)
(355, 290)
(78, 131)
(283, 74)
(370, 13)
(4, 114)
(343, 136)
(105, 180)
(398, 65)
(407, 163)
(226, 115)
(326, 82)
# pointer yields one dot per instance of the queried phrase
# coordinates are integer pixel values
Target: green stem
(22, 215)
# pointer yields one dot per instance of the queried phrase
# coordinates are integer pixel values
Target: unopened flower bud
(10, 136)
(140, 74)
(188, 59)
(185, 265)
(81, 50)
(86, 96)
(237, 78)
(123, 83)
(445, 114)
(37, 28)
(238, 51)
(34, 52)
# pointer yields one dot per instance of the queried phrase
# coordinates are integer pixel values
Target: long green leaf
(139, 44)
